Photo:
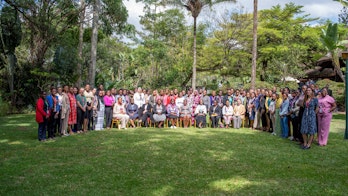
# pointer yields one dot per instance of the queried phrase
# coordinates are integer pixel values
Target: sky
(324, 9)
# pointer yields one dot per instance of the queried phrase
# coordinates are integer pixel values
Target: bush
(4, 107)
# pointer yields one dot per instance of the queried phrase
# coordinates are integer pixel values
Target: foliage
(285, 42)
(168, 162)
(337, 91)
(331, 41)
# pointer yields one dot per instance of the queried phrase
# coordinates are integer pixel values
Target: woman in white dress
(227, 113)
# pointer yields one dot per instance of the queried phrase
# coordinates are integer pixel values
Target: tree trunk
(336, 65)
(94, 42)
(194, 53)
(80, 49)
(11, 65)
(254, 50)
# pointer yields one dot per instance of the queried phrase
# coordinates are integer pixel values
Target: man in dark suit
(145, 112)
(215, 114)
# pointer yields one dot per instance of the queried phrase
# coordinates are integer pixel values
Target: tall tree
(113, 16)
(80, 47)
(94, 42)
(11, 35)
(195, 7)
(254, 50)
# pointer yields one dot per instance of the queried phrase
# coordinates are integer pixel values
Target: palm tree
(330, 40)
(343, 2)
(195, 7)
(254, 50)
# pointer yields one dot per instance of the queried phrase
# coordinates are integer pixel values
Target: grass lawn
(168, 162)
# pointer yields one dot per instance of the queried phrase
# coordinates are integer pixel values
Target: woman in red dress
(73, 111)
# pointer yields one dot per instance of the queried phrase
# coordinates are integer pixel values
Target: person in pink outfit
(327, 104)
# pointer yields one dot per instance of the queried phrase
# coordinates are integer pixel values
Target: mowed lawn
(168, 162)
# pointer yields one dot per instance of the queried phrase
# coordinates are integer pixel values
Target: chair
(115, 122)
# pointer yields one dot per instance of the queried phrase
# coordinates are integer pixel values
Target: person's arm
(333, 107)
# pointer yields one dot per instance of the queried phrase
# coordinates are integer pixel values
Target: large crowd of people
(296, 114)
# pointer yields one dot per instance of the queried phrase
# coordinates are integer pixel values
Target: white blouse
(227, 110)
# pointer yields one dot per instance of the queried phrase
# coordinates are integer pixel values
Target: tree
(45, 20)
(330, 39)
(113, 16)
(195, 7)
(254, 50)
(11, 36)
(285, 41)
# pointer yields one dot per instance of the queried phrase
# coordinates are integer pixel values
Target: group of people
(69, 110)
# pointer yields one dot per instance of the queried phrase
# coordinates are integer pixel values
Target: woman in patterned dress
(309, 125)
(73, 110)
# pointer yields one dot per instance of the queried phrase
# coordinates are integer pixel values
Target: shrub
(337, 91)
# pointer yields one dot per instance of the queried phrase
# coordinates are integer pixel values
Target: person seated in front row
(132, 111)
(239, 112)
(159, 111)
(227, 112)
(215, 113)
(185, 113)
(173, 113)
(119, 112)
(146, 112)
(201, 113)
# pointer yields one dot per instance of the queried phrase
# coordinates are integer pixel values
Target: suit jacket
(147, 107)
(217, 110)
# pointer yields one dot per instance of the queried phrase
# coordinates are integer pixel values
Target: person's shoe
(273, 133)
(291, 138)
(171, 127)
(174, 127)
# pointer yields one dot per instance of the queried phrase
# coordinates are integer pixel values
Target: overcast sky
(325, 9)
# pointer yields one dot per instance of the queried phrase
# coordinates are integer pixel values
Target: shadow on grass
(171, 162)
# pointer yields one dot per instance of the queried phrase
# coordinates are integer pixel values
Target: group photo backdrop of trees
(180, 43)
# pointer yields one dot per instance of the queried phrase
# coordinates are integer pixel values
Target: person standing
(65, 112)
(89, 112)
(272, 112)
(283, 113)
(42, 115)
(327, 105)
(54, 108)
(139, 97)
(73, 110)
(100, 109)
(309, 125)
(81, 109)
(294, 109)
(109, 103)
(206, 100)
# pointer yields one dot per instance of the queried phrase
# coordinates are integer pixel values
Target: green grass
(168, 162)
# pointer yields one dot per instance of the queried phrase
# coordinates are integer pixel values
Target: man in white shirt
(179, 102)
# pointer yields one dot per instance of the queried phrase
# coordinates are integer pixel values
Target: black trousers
(215, 121)
(51, 125)
(296, 128)
(108, 116)
(80, 118)
(263, 118)
(145, 116)
(89, 117)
